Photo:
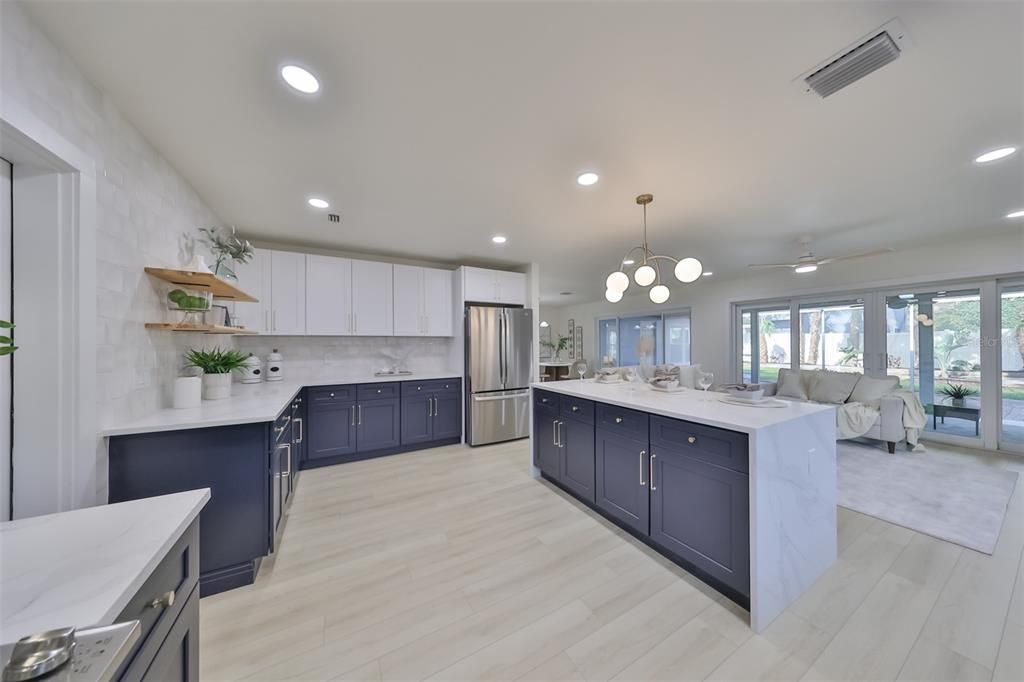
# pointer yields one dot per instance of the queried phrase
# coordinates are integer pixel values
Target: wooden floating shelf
(220, 288)
(199, 328)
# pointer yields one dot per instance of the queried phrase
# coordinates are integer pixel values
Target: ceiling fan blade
(773, 265)
(865, 254)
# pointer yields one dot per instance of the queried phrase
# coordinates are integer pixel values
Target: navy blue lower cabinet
(378, 424)
(178, 658)
(701, 512)
(417, 419)
(448, 415)
(330, 430)
(621, 478)
(234, 462)
(546, 453)
(576, 468)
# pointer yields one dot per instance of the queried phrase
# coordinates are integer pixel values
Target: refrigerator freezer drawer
(495, 417)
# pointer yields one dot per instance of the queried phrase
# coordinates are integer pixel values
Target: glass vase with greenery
(226, 248)
(556, 347)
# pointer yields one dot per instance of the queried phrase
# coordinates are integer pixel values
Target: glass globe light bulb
(688, 270)
(617, 281)
(659, 293)
(613, 295)
(644, 275)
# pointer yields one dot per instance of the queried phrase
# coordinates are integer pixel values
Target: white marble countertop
(81, 567)
(688, 404)
(249, 403)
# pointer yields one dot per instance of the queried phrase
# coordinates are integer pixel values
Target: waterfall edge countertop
(688, 404)
(249, 403)
(81, 567)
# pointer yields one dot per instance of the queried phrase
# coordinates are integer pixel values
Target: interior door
(6, 231)
(288, 292)
(409, 301)
(373, 305)
(437, 302)
(486, 354)
(328, 295)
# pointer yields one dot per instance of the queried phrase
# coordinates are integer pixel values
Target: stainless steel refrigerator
(498, 359)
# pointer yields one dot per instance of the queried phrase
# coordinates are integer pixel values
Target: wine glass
(629, 374)
(581, 367)
(704, 380)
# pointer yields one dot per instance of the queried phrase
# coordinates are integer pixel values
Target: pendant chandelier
(649, 271)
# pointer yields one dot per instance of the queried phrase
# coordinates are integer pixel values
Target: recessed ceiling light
(587, 179)
(300, 79)
(498, 239)
(707, 274)
(628, 261)
(1015, 214)
(317, 202)
(995, 155)
(803, 269)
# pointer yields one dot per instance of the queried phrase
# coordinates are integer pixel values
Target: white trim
(56, 450)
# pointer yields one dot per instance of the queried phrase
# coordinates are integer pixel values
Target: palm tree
(766, 327)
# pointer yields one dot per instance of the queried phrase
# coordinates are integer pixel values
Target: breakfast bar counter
(743, 496)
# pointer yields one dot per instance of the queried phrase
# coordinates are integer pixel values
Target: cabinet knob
(332, 395)
(618, 420)
(419, 388)
(575, 408)
(692, 439)
(163, 601)
(378, 390)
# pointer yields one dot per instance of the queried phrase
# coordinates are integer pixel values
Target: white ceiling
(442, 124)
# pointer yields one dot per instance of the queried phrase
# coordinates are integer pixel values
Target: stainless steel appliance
(498, 359)
(92, 654)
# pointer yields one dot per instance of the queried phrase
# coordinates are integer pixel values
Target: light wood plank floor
(454, 564)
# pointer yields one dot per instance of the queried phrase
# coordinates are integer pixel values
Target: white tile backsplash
(357, 356)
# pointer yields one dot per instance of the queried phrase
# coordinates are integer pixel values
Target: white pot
(216, 386)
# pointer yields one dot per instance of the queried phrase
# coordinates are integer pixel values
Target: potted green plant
(556, 347)
(217, 366)
(6, 340)
(957, 393)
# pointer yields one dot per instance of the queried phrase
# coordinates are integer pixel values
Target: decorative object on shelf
(217, 366)
(572, 333)
(957, 393)
(578, 344)
(198, 264)
(252, 370)
(7, 340)
(188, 392)
(556, 347)
(275, 366)
(227, 249)
(649, 271)
(194, 306)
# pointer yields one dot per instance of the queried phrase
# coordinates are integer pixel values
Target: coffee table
(943, 411)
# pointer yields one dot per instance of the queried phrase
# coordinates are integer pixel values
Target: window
(662, 337)
(765, 343)
(832, 336)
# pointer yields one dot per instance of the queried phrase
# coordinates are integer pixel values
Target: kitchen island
(743, 497)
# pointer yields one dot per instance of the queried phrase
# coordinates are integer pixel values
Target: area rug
(934, 493)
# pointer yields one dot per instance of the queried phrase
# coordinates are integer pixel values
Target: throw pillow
(833, 387)
(869, 389)
(791, 385)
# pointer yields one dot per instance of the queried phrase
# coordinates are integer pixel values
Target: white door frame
(56, 451)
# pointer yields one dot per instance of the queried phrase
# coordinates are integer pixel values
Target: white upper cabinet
(328, 295)
(287, 292)
(254, 278)
(423, 301)
(373, 305)
(494, 286)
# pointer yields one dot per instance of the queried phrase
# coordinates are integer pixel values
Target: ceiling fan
(808, 262)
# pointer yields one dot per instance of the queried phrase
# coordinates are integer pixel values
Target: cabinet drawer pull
(353, 409)
(359, 421)
(298, 420)
(691, 439)
(618, 420)
(643, 453)
(554, 433)
(165, 600)
(650, 474)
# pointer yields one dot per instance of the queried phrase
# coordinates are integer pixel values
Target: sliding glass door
(661, 337)
(832, 336)
(765, 343)
(1011, 356)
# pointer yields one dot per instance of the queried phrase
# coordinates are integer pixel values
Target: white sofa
(837, 388)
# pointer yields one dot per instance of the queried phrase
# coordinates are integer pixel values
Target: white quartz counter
(690, 405)
(81, 567)
(249, 403)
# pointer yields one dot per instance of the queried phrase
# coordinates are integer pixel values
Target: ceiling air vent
(881, 47)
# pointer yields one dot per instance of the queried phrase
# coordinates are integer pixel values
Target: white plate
(764, 402)
(677, 389)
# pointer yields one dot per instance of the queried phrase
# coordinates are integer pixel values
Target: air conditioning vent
(880, 47)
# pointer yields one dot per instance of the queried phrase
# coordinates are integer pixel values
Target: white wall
(710, 300)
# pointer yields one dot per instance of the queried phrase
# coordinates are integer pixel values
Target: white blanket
(853, 420)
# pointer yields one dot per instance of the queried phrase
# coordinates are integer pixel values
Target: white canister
(187, 392)
(216, 386)
(252, 371)
(275, 367)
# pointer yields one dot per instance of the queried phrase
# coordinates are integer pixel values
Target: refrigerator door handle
(502, 360)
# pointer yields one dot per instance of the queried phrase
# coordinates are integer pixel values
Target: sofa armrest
(890, 419)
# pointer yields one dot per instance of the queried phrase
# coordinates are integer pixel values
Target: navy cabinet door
(621, 476)
(417, 419)
(577, 461)
(447, 415)
(178, 657)
(331, 430)
(701, 512)
(546, 451)
(378, 425)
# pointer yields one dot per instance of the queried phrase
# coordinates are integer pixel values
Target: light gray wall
(143, 208)
(710, 300)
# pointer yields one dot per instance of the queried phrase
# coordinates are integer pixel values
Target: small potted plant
(217, 366)
(957, 393)
(556, 348)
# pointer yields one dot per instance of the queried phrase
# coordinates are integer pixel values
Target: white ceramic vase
(216, 386)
